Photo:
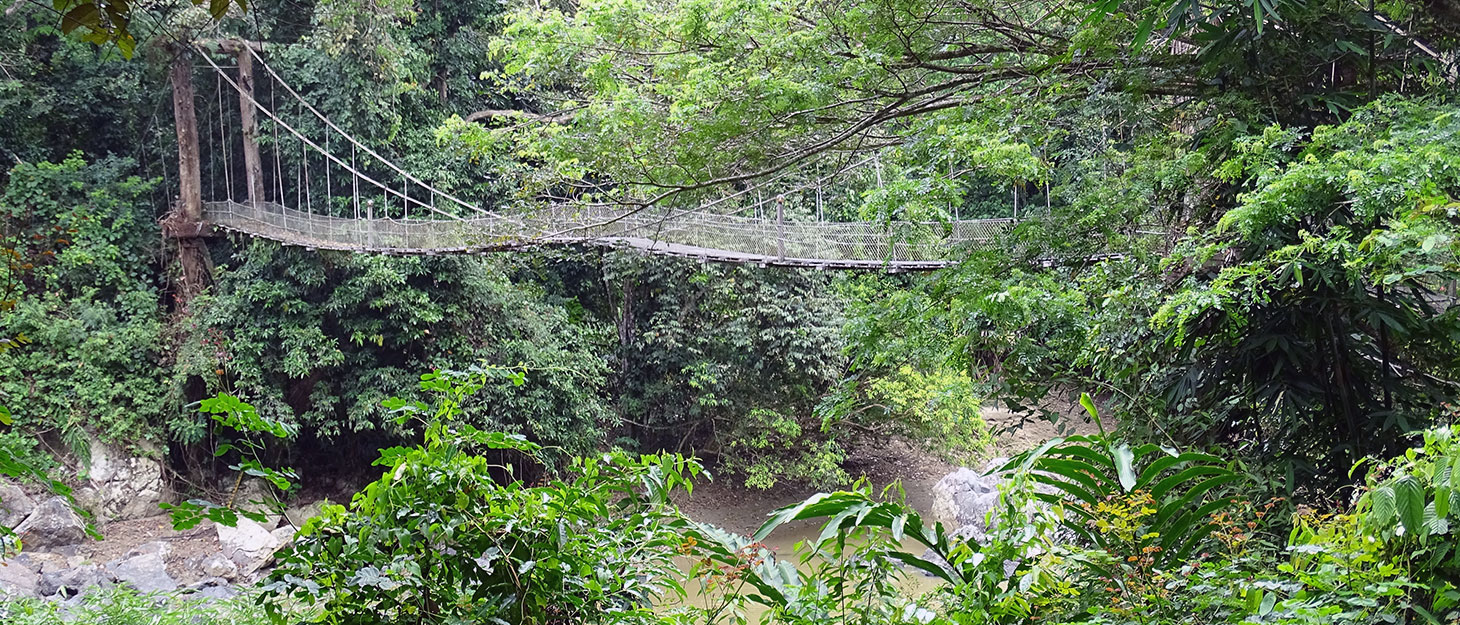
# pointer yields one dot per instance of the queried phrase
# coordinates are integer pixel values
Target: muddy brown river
(743, 511)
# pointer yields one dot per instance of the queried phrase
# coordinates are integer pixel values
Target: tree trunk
(253, 168)
(186, 221)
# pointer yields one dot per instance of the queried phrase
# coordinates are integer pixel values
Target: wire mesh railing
(306, 181)
(689, 234)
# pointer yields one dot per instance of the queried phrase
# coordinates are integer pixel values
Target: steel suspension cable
(343, 165)
(361, 146)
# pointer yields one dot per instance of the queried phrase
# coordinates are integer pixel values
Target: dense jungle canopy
(1270, 188)
(1296, 152)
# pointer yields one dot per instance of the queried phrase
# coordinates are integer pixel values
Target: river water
(741, 510)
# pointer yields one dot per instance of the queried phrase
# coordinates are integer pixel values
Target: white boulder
(246, 542)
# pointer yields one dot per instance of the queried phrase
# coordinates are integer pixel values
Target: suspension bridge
(263, 180)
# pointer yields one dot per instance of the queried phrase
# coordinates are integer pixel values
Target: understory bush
(320, 340)
(89, 304)
(1087, 529)
(122, 606)
(448, 534)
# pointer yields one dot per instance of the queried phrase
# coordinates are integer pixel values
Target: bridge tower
(185, 224)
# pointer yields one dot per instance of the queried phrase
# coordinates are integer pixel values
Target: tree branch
(551, 118)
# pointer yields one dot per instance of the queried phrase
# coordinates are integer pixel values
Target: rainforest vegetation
(1235, 248)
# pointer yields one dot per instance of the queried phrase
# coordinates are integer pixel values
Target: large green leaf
(1381, 506)
(1156, 468)
(1409, 501)
(1092, 484)
(1028, 458)
(86, 14)
(1179, 539)
(787, 514)
(1084, 447)
(925, 566)
(1434, 524)
(1194, 494)
(1184, 478)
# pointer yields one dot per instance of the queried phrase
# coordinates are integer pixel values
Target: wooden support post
(190, 174)
(185, 223)
(253, 168)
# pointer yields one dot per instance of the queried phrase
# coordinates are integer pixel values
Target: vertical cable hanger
(278, 163)
(299, 177)
(212, 154)
(820, 212)
(355, 182)
(329, 191)
(355, 179)
(304, 167)
(227, 144)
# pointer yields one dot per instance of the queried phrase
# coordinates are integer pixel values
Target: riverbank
(209, 557)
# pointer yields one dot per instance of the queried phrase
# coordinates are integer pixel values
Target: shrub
(89, 306)
(1407, 508)
(439, 539)
(940, 410)
(123, 606)
(767, 447)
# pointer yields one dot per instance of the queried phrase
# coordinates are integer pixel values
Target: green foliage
(767, 447)
(1051, 556)
(90, 305)
(49, 247)
(942, 411)
(439, 539)
(1335, 574)
(243, 421)
(1270, 333)
(1131, 561)
(852, 572)
(59, 95)
(1025, 328)
(1408, 506)
(733, 90)
(123, 606)
(728, 91)
(109, 22)
(1144, 501)
(340, 330)
(716, 358)
(1324, 335)
(20, 460)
